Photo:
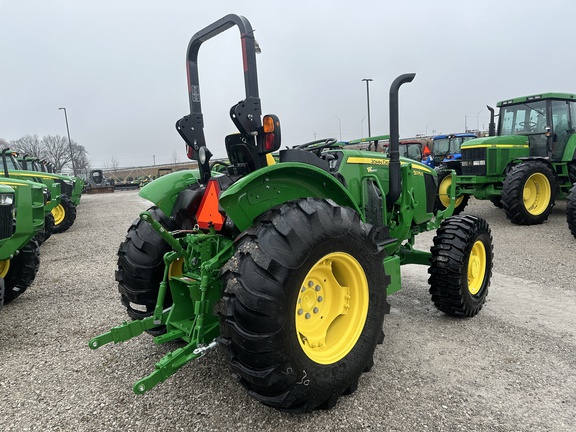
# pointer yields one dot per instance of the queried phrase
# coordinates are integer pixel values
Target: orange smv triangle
(208, 213)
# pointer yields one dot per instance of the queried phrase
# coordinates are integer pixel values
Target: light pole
(69, 141)
(339, 126)
(368, 101)
(478, 120)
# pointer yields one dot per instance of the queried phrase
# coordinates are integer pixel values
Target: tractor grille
(6, 221)
(472, 156)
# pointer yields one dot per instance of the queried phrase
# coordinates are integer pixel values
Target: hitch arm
(125, 331)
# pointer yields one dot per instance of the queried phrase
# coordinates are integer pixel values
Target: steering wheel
(219, 166)
(531, 125)
(317, 145)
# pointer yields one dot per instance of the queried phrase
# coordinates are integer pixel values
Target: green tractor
(531, 160)
(7, 198)
(22, 219)
(287, 264)
(64, 209)
(54, 194)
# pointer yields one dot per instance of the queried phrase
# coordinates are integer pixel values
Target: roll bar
(246, 114)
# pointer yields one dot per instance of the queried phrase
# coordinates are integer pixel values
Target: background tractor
(446, 157)
(22, 218)
(54, 195)
(64, 211)
(287, 264)
(446, 150)
(531, 160)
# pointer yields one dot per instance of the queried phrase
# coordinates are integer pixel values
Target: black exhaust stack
(395, 177)
(492, 124)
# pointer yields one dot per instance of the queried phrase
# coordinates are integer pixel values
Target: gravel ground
(511, 368)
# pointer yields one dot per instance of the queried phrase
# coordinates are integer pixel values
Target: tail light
(272, 135)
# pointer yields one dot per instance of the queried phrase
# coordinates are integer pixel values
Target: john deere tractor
(446, 157)
(64, 209)
(21, 219)
(528, 162)
(287, 265)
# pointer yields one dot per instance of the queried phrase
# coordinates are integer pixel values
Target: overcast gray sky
(118, 66)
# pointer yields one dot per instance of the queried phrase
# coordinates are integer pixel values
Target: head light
(6, 199)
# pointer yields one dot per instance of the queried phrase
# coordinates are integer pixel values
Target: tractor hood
(497, 141)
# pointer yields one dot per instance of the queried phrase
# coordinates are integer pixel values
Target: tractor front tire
(571, 211)
(20, 271)
(443, 197)
(141, 266)
(64, 214)
(303, 305)
(461, 265)
(528, 193)
(1, 293)
(46, 232)
(497, 201)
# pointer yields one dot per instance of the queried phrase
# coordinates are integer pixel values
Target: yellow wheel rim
(331, 308)
(537, 194)
(4, 267)
(476, 267)
(59, 214)
(444, 192)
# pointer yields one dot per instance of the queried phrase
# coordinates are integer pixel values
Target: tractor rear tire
(443, 198)
(571, 211)
(303, 305)
(141, 267)
(64, 214)
(21, 271)
(461, 265)
(572, 171)
(528, 193)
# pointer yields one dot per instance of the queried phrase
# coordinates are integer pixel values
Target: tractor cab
(547, 121)
(446, 148)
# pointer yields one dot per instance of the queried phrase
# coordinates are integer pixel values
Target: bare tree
(112, 165)
(81, 162)
(29, 145)
(175, 157)
(53, 148)
(57, 150)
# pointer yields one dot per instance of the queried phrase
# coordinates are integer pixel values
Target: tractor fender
(520, 160)
(276, 184)
(164, 190)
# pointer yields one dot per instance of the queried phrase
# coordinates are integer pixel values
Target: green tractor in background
(287, 264)
(53, 192)
(64, 210)
(21, 220)
(531, 160)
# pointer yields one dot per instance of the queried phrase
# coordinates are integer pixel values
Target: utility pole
(368, 102)
(69, 141)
